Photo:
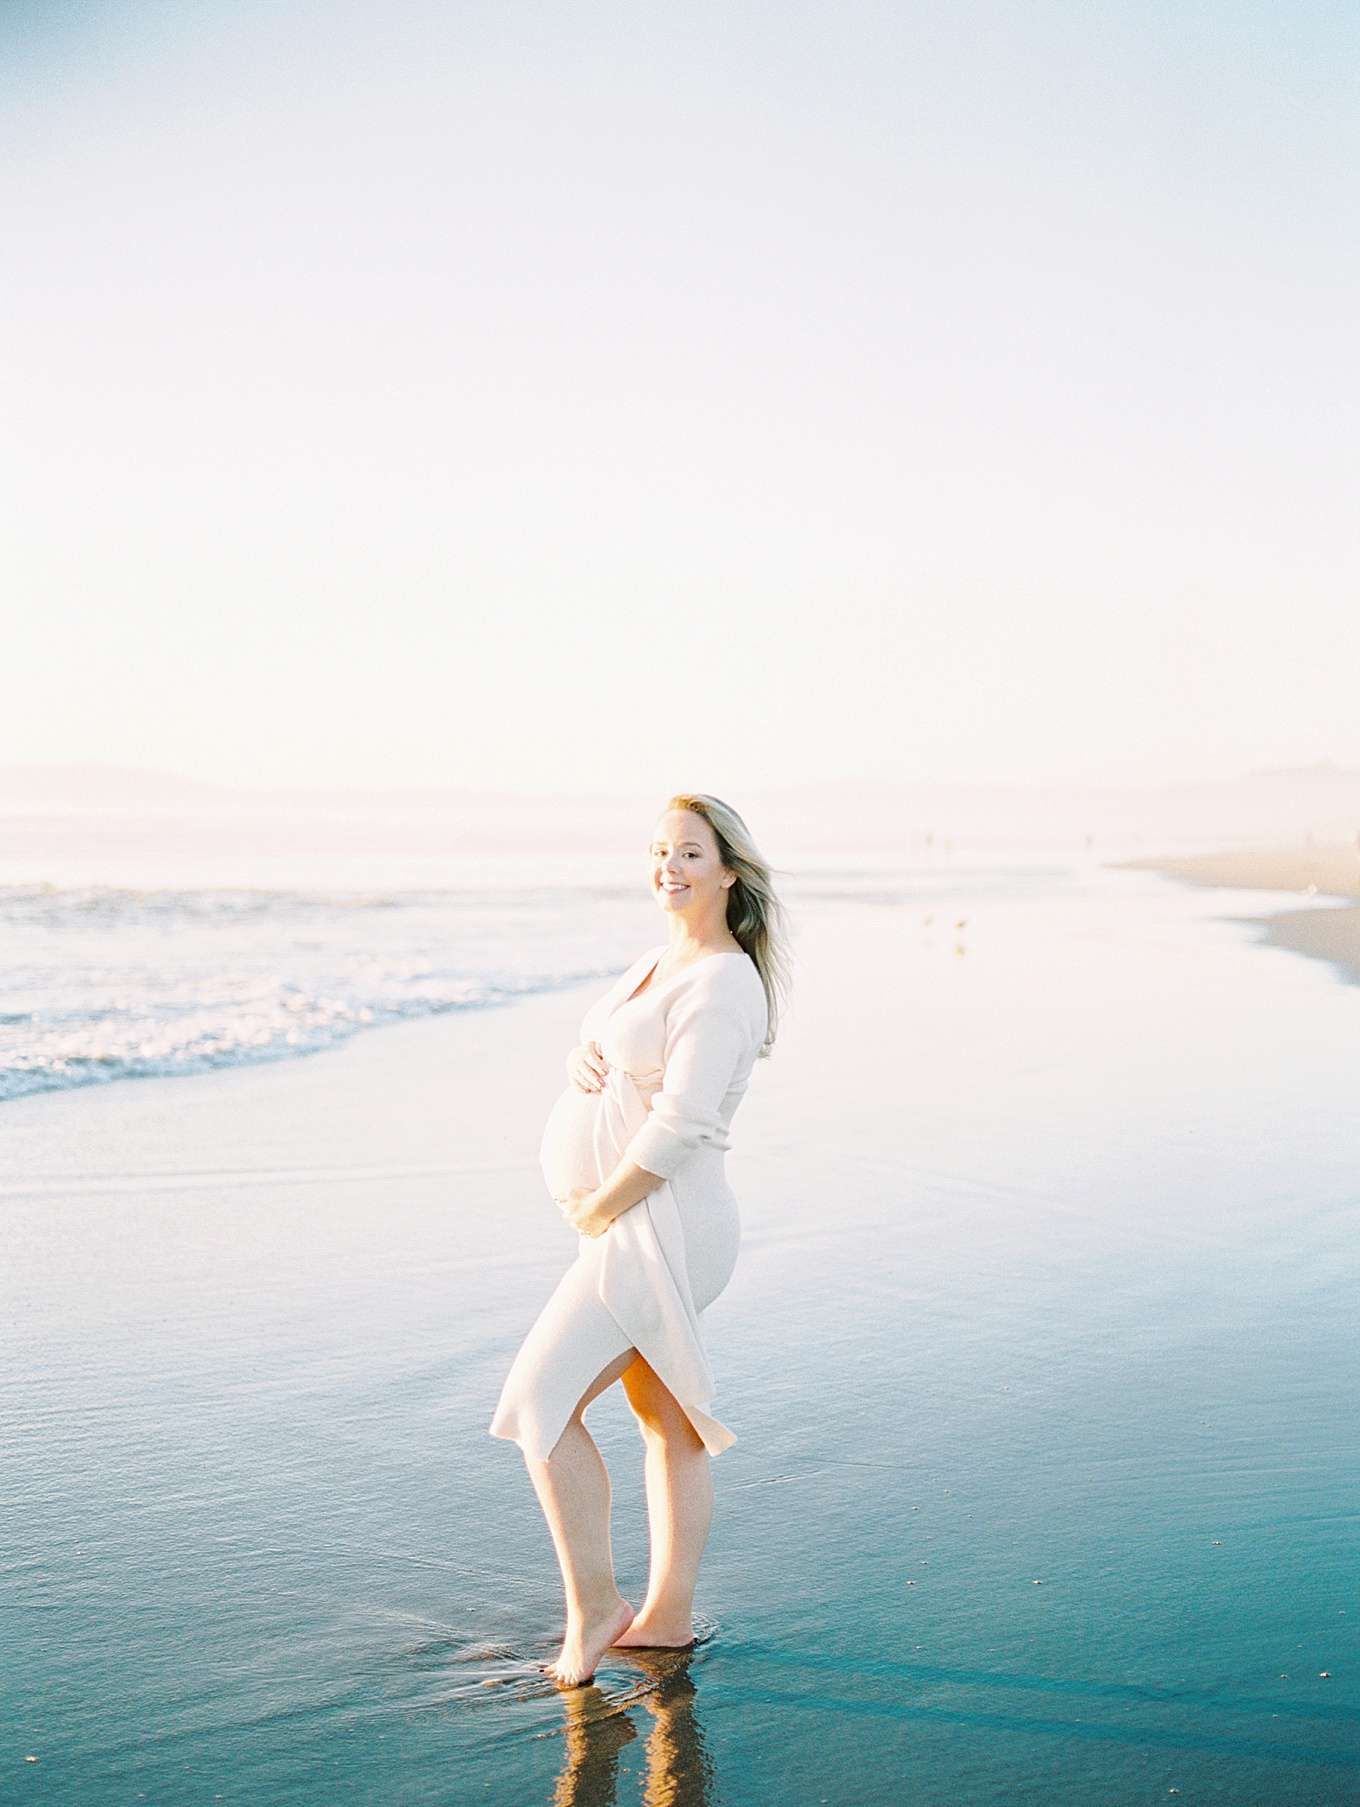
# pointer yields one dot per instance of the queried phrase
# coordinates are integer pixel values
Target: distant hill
(99, 784)
(133, 785)
(1274, 805)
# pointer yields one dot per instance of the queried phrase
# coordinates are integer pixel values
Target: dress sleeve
(707, 1039)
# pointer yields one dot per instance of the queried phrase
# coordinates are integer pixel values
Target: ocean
(1040, 1351)
(152, 943)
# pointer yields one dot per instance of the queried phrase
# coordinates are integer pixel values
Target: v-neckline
(645, 984)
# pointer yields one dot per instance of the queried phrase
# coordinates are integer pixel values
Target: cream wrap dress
(680, 1055)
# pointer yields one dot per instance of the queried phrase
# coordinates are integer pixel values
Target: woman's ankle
(666, 1612)
(596, 1606)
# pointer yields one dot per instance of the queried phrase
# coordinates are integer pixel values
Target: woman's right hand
(587, 1067)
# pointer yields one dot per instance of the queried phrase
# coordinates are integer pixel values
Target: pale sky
(717, 395)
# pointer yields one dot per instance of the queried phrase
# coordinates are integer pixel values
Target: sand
(1331, 934)
(1039, 1352)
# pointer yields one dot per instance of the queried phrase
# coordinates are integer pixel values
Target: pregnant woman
(633, 1154)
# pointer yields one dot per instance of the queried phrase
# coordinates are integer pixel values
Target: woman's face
(688, 878)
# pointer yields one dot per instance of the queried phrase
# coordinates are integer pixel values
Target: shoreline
(259, 1319)
(1331, 934)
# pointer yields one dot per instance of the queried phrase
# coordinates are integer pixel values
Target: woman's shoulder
(726, 981)
(734, 966)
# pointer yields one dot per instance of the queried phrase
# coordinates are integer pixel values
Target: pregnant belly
(567, 1153)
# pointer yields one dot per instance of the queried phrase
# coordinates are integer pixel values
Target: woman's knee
(660, 1416)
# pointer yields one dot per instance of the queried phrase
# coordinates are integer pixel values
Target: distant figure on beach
(633, 1154)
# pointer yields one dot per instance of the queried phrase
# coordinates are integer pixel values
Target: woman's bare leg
(573, 1489)
(679, 1477)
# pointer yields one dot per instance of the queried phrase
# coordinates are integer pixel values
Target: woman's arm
(707, 1038)
(592, 1211)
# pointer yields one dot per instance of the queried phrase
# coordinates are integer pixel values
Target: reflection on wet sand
(679, 1769)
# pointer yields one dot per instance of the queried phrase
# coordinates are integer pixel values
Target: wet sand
(1331, 934)
(1040, 1353)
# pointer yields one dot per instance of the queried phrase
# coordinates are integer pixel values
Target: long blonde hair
(754, 914)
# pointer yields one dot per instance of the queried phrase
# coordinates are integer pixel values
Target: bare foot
(586, 1642)
(656, 1634)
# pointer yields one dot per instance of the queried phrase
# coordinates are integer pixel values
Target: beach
(1040, 1354)
(1328, 871)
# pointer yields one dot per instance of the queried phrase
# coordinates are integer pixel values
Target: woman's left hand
(582, 1214)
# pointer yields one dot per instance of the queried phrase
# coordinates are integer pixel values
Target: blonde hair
(754, 914)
